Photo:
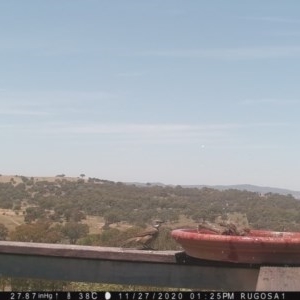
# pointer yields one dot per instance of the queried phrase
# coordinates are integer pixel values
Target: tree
(73, 231)
(40, 232)
(74, 215)
(34, 213)
(3, 232)
(111, 217)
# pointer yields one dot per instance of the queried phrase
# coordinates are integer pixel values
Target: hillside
(255, 189)
(106, 204)
(240, 187)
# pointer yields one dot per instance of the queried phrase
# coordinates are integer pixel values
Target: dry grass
(183, 222)
(4, 179)
(95, 224)
(10, 219)
(18, 179)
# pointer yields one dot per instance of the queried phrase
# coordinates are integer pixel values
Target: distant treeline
(66, 201)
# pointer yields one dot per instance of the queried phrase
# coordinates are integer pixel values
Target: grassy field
(95, 224)
(10, 219)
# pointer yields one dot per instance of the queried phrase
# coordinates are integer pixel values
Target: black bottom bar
(150, 295)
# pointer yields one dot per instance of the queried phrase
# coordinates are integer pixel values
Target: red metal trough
(258, 247)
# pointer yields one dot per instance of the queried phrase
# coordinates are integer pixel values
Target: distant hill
(240, 187)
(255, 189)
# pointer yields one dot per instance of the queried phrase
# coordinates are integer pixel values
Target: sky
(177, 92)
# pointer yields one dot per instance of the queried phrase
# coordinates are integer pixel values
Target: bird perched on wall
(147, 237)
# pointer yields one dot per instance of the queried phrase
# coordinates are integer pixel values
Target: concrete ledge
(119, 266)
(89, 252)
(279, 279)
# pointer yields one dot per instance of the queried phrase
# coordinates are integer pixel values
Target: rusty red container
(258, 247)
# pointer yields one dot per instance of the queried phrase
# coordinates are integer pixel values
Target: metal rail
(121, 266)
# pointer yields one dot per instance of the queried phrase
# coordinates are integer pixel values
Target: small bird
(146, 237)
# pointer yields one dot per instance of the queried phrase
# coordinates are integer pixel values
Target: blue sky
(179, 92)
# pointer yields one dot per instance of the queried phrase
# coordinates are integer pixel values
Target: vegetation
(69, 203)
(59, 211)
